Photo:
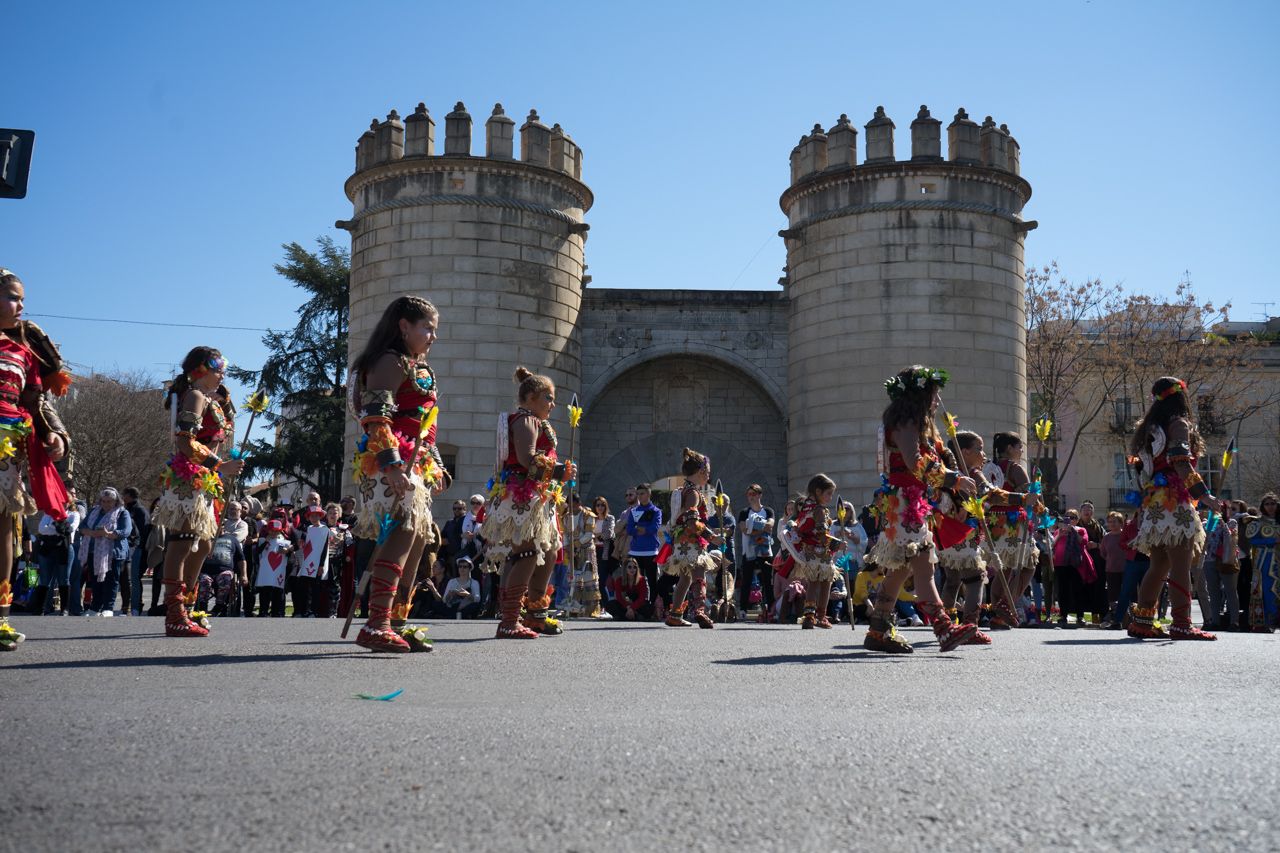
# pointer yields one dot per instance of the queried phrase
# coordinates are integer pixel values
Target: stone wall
(497, 245)
(666, 369)
(894, 263)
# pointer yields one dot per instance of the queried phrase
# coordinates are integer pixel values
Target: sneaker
(915, 622)
(107, 614)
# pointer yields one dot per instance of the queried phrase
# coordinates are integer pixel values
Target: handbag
(1228, 555)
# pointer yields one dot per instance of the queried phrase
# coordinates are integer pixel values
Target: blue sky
(178, 145)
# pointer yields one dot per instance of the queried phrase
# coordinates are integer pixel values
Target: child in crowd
(272, 560)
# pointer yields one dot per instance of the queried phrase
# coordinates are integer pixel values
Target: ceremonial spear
(575, 417)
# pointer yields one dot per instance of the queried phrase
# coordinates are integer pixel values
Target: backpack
(1073, 553)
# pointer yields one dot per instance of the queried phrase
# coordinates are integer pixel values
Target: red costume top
(18, 372)
(813, 522)
(19, 376)
(544, 447)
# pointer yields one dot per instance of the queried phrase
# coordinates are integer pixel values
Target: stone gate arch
(653, 407)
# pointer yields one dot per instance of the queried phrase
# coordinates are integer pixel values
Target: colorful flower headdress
(214, 364)
(1180, 385)
(918, 380)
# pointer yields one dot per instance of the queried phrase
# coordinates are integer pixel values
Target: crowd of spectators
(279, 560)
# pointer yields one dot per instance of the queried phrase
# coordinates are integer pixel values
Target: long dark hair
(386, 335)
(181, 384)
(1269, 496)
(1170, 402)
(911, 406)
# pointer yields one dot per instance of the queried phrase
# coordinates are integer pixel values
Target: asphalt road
(633, 738)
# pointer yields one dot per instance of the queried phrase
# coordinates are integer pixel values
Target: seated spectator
(428, 601)
(629, 595)
(462, 594)
(223, 569)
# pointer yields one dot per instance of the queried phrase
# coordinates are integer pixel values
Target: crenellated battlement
(822, 152)
(415, 137)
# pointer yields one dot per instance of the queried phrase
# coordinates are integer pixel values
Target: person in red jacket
(630, 591)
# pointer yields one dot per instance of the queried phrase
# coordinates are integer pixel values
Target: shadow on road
(833, 656)
(1115, 641)
(191, 660)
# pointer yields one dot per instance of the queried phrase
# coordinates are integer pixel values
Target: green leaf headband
(918, 380)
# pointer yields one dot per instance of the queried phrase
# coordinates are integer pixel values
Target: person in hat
(272, 560)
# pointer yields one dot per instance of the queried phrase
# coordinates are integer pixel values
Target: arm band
(377, 403)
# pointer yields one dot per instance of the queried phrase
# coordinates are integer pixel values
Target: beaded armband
(542, 468)
(382, 442)
(1195, 485)
(935, 474)
(377, 404)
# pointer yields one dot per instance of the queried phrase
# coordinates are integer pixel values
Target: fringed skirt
(1006, 538)
(189, 504)
(14, 496)
(1169, 520)
(686, 558)
(379, 507)
(965, 558)
(815, 568)
(509, 524)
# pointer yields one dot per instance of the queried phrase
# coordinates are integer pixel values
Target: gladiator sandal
(509, 627)
(1182, 629)
(951, 634)
(199, 617)
(377, 634)
(537, 616)
(809, 619)
(883, 637)
(176, 622)
(1142, 624)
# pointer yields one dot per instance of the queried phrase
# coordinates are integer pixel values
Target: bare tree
(1093, 348)
(119, 431)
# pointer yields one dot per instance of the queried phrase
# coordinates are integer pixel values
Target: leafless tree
(119, 431)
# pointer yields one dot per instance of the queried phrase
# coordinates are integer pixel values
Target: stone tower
(494, 241)
(895, 262)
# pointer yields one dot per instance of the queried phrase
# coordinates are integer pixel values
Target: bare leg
(177, 552)
(1180, 559)
(823, 600)
(404, 594)
(1142, 613)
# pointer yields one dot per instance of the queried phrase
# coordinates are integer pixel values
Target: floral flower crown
(1181, 385)
(918, 380)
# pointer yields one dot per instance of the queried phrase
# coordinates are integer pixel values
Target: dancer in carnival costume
(31, 435)
(1009, 524)
(963, 563)
(813, 548)
(393, 394)
(520, 522)
(906, 543)
(192, 485)
(690, 559)
(1167, 443)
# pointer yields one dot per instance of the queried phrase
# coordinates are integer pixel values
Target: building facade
(889, 262)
